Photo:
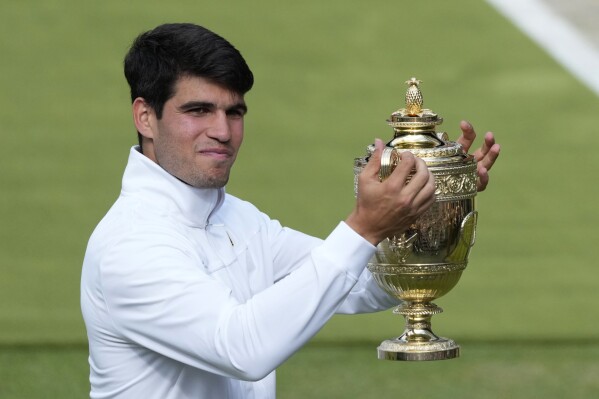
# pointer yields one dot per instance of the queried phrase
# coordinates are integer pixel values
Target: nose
(220, 129)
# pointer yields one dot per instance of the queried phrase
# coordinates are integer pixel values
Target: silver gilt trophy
(426, 261)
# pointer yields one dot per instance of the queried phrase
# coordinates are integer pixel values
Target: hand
(391, 206)
(485, 156)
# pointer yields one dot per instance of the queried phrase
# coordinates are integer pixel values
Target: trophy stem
(418, 342)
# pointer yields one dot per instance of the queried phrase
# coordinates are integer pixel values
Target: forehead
(195, 88)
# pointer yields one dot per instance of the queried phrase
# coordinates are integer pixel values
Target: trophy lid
(415, 131)
(413, 113)
(414, 126)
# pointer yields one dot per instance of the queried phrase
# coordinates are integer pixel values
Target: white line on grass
(557, 36)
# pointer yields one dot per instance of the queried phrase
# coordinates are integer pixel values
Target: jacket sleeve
(292, 246)
(158, 298)
(367, 297)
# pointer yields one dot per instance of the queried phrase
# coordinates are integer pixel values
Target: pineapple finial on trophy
(413, 97)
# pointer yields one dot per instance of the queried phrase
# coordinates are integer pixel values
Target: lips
(218, 152)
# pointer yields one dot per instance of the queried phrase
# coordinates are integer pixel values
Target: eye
(235, 113)
(199, 110)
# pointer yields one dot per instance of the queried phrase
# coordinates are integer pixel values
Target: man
(188, 292)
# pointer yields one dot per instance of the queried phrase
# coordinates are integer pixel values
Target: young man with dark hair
(189, 292)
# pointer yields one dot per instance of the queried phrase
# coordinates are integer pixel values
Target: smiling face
(199, 134)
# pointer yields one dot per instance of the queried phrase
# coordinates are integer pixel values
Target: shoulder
(126, 231)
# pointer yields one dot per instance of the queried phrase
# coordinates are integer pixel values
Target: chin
(210, 182)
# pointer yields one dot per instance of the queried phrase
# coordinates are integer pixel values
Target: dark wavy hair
(159, 57)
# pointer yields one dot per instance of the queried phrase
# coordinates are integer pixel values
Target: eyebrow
(240, 106)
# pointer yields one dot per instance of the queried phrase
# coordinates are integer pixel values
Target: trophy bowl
(426, 261)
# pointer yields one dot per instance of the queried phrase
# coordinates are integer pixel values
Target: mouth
(216, 152)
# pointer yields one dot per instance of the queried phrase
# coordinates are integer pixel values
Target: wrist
(363, 228)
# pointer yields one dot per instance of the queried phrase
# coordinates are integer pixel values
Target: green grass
(328, 74)
(499, 370)
(490, 370)
(43, 371)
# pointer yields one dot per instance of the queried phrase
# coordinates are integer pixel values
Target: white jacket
(193, 293)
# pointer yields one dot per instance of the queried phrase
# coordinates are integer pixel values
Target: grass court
(328, 74)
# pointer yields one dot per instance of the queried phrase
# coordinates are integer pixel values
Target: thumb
(374, 163)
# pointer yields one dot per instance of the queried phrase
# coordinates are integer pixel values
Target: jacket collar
(165, 194)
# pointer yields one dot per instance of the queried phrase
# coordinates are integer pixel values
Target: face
(199, 134)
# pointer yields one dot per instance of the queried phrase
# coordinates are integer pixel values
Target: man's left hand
(485, 156)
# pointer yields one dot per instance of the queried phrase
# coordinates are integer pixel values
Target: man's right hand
(385, 208)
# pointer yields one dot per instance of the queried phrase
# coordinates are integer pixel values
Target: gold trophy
(426, 261)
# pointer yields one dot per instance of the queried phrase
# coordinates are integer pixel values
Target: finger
(374, 163)
(487, 144)
(489, 139)
(419, 171)
(483, 179)
(421, 174)
(468, 135)
(490, 157)
(426, 197)
(403, 169)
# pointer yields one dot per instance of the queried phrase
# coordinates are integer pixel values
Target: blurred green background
(328, 74)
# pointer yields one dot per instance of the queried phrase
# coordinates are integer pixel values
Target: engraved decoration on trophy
(426, 261)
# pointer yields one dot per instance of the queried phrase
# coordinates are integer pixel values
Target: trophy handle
(389, 160)
(467, 238)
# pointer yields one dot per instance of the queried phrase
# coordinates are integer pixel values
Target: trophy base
(438, 349)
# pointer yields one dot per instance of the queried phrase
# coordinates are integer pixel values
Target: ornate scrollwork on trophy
(443, 152)
(414, 269)
(453, 186)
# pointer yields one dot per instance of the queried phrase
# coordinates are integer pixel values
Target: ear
(143, 117)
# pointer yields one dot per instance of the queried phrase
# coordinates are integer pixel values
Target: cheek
(237, 133)
(186, 128)
(179, 133)
(173, 143)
